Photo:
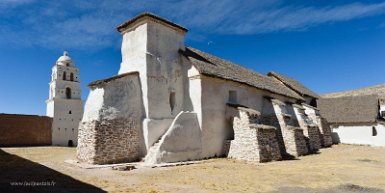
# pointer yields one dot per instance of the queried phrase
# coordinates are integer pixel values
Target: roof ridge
(354, 91)
(121, 27)
(214, 66)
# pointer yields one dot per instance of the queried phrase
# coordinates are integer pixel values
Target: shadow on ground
(345, 188)
(22, 175)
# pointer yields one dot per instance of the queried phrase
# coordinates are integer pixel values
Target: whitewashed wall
(215, 94)
(360, 134)
(152, 49)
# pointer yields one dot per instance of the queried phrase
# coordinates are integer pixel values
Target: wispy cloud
(85, 24)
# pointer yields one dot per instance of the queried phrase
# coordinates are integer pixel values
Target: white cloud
(86, 24)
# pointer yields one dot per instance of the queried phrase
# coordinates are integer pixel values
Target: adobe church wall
(152, 49)
(215, 95)
(111, 128)
(25, 130)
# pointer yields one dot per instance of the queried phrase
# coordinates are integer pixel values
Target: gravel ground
(340, 169)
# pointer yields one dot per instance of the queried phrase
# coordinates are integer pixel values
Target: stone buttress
(252, 140)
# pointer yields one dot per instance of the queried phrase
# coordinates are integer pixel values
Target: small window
(233, 97)
(72, 76)
(67, 64)
(64, 75)
(73, 129)
(383, 114)
(70, 112)
(58, 129)
(68, 93)
(374, 131)
(65, 129)
(172, 101)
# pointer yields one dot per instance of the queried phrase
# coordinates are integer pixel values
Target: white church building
(64, 104)
(171, 102)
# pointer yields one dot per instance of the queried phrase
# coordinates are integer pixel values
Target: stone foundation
(113, 141)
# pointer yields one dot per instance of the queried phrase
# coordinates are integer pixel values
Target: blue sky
(327, 45)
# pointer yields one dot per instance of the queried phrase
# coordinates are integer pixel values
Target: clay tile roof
(103, 81)
(351, 109)
(213, 66)
(294, 84)
(372, 90)
(121, 27)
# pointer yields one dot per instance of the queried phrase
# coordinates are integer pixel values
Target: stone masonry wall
(111, 141)
(111, 128)
(25, 130)
(313, 138)
(268, 143)
(309, 127)
(326, 133)
(292, 134)
(252, 142)
(295, 142)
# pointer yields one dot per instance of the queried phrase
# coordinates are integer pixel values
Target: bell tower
(64, 104)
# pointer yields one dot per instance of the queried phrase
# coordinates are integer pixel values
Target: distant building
(64, 103)
(356, 116)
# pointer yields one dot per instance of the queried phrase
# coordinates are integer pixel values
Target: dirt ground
(342, 168)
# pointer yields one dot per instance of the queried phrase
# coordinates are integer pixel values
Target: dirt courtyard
(342, 168)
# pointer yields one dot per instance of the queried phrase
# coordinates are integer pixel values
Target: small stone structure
(25, 130)
(252, 141)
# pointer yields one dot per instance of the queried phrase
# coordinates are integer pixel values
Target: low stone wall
(25, 130)
(252, 142)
